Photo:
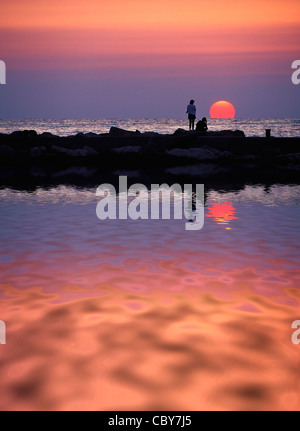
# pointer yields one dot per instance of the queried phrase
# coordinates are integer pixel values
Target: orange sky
(86, 30)
(149, 13)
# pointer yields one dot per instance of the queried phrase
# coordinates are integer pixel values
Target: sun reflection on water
(222, 213)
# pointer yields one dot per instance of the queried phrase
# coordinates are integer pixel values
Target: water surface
(289, 127)
(144, 315)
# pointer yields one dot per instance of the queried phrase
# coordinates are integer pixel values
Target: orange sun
(222, 109)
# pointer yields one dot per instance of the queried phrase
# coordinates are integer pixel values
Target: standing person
(191, 111)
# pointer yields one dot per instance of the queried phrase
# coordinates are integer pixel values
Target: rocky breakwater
(180, 153)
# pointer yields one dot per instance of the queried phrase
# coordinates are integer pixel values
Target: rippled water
(250, 126)
(144, 315)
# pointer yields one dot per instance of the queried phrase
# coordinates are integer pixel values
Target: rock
(225, 133)
(25, 133)
(48, 135)
(116, 131)
(183, 132)
(83, 171)
(289, 158)
(62, 150)
(36, 171)
(90, 135)
(249, 157)
(6, 172)
(86, 151)
(6, 150)
(180, 132)
(150, 133)
(127, 149)
(201, 153)
(37, 151)
(239, 133)
(128, 173)
(203, 170)
(79, 152)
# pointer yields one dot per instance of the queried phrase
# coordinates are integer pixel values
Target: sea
(65, 127)
(141, 314)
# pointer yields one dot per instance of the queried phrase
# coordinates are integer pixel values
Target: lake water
(145, 315)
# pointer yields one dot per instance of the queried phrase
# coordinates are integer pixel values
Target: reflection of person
(201, 126)
(191, 111)
(194, 208)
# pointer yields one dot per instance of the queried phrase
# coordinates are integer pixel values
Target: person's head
(204, 119)
(192, 102)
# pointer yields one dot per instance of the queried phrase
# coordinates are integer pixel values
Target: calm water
(250, 126)
(140, 315)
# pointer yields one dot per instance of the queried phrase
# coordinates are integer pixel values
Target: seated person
(201, 126)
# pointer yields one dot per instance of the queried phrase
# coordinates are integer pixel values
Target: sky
(148, 58)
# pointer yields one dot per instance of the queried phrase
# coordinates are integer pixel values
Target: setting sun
(222, 109)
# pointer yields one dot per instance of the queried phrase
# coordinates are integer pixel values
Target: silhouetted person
(191, 111)
(201, 126)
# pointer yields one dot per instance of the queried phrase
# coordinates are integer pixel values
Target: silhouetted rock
(127, 149)
(238, 133)
(6, 150)
(205, 170)
(292, 160)
(37, 151)
(202, 153)
(37, 172)
(180, 132)
(79, 152)
(76, 170)
(47, 135)
(90, 135)
(224, 133)
(25, 133)
(35, 157)
(294, 156)
(116, 131)
(228, 133)
(150, 133)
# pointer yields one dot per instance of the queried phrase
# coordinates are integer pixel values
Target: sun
(222, 109)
